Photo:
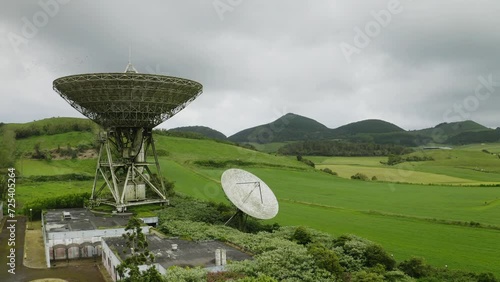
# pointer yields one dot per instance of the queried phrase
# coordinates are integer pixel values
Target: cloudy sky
(413, 63)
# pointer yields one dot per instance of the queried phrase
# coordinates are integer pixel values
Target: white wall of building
(79, 240)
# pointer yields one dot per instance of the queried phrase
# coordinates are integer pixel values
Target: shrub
(60, 202)
(363, 276)
(302, 236)
(329, 171)
(308, 162)
(375, 254)
(325, 258)
(415, 267)
(374, 178)
(360, 176)
(394, 159)
(486, 277)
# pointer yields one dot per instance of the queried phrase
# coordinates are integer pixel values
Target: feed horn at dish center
(127, 106)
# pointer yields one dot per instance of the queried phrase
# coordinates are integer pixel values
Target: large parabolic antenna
(249, 194)
(127, 106)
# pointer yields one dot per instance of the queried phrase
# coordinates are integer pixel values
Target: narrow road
(71, 273)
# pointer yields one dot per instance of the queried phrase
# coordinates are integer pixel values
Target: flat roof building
(211, 255)
(77, 233)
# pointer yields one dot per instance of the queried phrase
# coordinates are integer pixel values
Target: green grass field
(469, 166)
(408, 220)
(431, 221)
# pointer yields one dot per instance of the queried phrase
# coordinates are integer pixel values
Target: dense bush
(54, 128)
(329, 171)
(375, 254)
(415, 267)
(7, 148)
(396, 159)
(302, 236)
(360, 176)
(325, 258)
(222, 163)
(188, 208)
(58, 177)
(340, 148)
(60, 202)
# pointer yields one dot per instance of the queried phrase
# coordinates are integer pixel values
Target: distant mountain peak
(289, 127)
(367, 126)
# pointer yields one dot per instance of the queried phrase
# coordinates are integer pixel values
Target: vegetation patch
(341, 148)
(360, 176)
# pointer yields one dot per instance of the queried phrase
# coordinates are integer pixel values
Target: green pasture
(432, 221)
(457, 166)
(29, 167)
(490, 147)
(28, 191)
(391, 174)
(409, 220)
(458, 247)
(269, 147)
(48, 142)
(185, 151)
(356, 161)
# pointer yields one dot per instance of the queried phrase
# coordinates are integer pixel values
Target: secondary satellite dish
(249, 194)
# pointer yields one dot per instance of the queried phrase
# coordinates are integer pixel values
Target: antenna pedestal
(240, 218)
(122, 168)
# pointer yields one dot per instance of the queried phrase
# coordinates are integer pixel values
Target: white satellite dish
(249, 194)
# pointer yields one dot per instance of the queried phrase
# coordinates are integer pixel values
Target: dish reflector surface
(249, 193)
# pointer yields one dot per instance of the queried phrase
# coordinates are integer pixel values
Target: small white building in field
(212, 255)
(77, 233)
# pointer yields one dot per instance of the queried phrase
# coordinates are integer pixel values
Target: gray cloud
(264, 58)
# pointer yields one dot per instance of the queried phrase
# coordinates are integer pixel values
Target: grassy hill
(50, 126)
(289, 127)
(449, 225)
(203, 130)
(443, 131)
(293, 128)
(365, 126)
(471, 137)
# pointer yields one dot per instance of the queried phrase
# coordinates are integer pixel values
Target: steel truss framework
(125, 174)
(127, 99)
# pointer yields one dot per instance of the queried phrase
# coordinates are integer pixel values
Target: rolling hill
(365, 126)
(293, 128)
(290, 127)
(203, 130)
(444, 131)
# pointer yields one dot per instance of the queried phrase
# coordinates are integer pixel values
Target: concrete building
(77, 233)
(168, 252)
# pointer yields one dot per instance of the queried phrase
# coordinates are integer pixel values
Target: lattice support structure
(123, 169)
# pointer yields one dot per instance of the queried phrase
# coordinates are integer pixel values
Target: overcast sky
(412, 63)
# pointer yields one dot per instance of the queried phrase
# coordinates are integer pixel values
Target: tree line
(54, 128)
(340, 148)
